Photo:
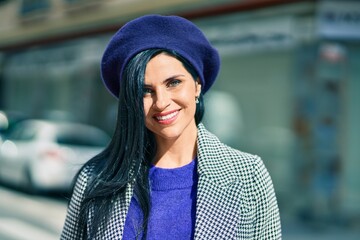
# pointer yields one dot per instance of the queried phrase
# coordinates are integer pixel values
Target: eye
(147, 91)
(173, 83)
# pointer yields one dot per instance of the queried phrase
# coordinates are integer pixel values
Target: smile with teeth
(167, 117)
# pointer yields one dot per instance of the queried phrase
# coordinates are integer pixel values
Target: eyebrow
(167, 79)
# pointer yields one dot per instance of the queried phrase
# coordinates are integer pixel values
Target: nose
(161, 100)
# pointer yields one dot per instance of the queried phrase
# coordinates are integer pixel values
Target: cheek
(147, 106)
(188, 98)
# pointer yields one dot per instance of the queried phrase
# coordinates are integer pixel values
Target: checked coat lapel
(218, 202)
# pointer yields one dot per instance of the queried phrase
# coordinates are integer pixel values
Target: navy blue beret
(156, 31)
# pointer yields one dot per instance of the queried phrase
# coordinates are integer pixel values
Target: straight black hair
(126, 160)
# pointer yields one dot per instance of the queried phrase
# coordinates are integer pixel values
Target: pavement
(300, 231)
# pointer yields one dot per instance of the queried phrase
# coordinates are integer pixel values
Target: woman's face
(169, 98)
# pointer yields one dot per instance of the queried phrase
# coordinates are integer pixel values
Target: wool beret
(156, 31)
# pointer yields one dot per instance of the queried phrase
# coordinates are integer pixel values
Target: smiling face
(169, 98)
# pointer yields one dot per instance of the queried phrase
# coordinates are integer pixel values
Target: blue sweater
(173, 198)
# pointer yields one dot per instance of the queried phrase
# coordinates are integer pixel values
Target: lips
(166, 118)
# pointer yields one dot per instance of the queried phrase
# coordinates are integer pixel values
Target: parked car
(42, 155)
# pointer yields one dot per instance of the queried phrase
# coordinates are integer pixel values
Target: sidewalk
(302, 232)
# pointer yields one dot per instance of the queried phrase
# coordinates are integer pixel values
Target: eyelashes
(170, 83)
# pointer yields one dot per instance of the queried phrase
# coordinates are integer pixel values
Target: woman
(163, 175)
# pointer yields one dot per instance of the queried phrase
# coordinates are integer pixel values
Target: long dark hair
(127, 158)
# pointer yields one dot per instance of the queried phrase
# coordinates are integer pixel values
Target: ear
(198, 87)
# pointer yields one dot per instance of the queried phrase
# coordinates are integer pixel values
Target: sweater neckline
(165, 179)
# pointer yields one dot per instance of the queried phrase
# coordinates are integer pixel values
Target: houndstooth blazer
(235, 198)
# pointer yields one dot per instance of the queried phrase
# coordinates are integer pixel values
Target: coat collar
(219, 190)
(212, 160)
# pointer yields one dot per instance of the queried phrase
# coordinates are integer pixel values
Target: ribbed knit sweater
(173, 199)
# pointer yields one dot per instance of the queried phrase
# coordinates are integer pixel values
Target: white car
(41, 155)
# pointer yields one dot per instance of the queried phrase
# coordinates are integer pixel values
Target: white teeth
(163, 118)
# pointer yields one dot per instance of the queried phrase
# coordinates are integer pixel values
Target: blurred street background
(288, 91)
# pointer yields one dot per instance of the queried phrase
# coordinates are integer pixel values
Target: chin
(169, 133)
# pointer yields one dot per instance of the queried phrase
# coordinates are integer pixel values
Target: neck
(173, 153)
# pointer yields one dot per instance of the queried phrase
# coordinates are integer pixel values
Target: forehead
(163, 65)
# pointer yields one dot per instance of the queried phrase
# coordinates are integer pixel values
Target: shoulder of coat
(224, 162)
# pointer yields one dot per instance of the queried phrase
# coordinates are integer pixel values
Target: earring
(196, 99)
